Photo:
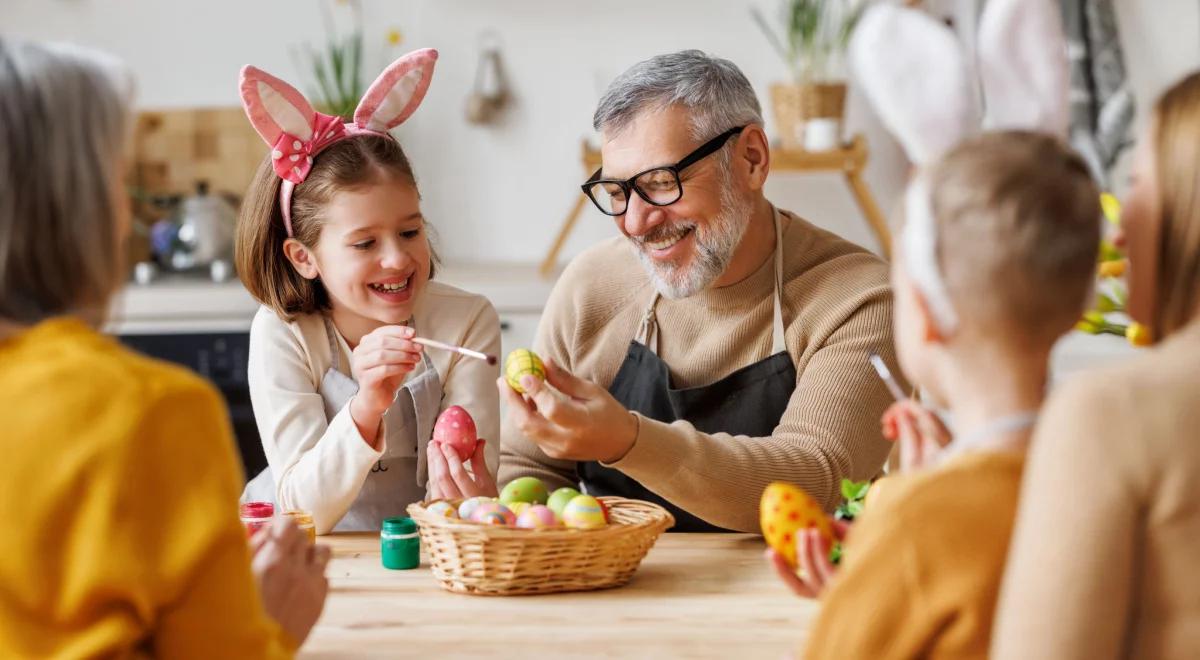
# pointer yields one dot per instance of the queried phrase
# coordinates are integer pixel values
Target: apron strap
(647, 333)
(334, 353)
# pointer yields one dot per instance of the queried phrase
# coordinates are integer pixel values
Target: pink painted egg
(538, 517)
(455, 429)
(487, 513)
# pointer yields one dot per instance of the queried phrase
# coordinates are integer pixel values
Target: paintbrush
(490, 359)
(881, 368)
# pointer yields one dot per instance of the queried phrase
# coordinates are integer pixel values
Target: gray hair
(715, 92)
(64, 115)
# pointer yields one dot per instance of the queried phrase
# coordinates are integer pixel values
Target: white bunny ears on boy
(931, 94)
(296, 132)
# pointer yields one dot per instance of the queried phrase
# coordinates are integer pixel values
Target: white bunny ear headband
(931, 95)
(296, 133)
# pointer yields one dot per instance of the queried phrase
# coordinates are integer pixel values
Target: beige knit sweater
(1105, 558)
(837, 309)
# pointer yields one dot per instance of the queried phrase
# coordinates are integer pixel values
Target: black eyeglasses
(658, 185)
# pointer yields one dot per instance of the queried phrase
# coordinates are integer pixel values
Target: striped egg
(522, 362)
(584, 512)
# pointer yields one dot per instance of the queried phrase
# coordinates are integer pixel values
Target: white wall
(499, 193)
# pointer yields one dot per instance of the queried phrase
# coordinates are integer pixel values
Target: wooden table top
(694, 596)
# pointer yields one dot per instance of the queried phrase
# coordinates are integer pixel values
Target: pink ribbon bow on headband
(296, 132)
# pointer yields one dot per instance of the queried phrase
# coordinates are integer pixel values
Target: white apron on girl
(398, 477)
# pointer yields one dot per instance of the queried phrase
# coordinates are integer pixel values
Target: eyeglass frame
(699, 153)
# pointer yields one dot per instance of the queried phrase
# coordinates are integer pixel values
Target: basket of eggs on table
(529, 540)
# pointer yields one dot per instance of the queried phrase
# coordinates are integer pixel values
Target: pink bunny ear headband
(931, 96)
(296, 133)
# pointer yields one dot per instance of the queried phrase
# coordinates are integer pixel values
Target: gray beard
(714, 250)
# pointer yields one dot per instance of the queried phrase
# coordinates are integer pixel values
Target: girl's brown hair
(1177, 153)
(258, 251)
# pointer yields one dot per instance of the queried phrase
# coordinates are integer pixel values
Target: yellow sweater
(923, 566)
(118, 492)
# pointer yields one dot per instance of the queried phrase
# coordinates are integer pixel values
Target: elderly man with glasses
(718, 344)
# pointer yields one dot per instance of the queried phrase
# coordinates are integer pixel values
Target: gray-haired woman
(119, 485)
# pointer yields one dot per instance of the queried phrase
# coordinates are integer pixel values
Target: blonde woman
(118, 485)
(1103, 561)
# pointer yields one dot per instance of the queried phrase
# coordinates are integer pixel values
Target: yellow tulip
(1138, 334)
(1114, 268)
(1111, 207)
(394, 37)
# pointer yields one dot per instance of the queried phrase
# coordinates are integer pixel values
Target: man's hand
(570, 418)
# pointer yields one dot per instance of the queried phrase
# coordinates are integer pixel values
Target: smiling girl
(332, 242)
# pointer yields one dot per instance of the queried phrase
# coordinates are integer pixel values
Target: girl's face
(373, 255)
(1141, 229)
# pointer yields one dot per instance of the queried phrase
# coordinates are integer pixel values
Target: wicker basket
(473, 558)
(794, 105)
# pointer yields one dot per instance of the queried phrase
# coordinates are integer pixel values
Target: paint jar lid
(301, 517)
(399, 526)
(256, 510)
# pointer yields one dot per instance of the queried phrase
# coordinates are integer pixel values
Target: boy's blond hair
(1018, 224)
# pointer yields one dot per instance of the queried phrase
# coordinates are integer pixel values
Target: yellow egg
(518, 507)
(521, 362)
(785, 509)
(584, 512)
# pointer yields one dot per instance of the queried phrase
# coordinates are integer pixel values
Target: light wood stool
(850, 160)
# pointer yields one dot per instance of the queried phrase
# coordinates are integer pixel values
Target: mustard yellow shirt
(118, 495)
(923, 565)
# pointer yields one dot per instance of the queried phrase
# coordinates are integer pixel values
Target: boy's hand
(920, 433)
(814, 572)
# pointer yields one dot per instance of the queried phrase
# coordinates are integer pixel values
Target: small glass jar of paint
(255, 515)
(400, 546)
(304, 521)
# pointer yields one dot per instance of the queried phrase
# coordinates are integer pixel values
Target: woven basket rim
(659, 517)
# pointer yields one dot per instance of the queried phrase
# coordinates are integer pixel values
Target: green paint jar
(400, 545)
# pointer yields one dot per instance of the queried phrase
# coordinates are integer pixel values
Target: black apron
(749, 401)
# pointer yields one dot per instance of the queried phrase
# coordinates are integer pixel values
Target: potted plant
(811, 41)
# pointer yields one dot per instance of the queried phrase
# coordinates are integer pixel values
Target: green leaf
(848, 489)
(835, 553)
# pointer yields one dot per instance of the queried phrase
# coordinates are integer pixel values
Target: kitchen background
(496, 193)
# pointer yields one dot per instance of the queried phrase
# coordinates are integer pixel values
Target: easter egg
(487, 513)
(537, 516)
(519, 507)
(522, 362)
(560, 498)
(525, 489)
(783, 510)
(443, 508)
(455, 429)
(583, 512)
(468, 506)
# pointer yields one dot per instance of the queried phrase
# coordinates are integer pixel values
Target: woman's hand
(920, 433)
(380, 363)
(814, 572)
(291, 576)
(449, 480)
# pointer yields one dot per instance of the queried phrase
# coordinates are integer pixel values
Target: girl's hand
(448, 480)
(814, 572)
(291, 576)
(920, 433)
(380, 363)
